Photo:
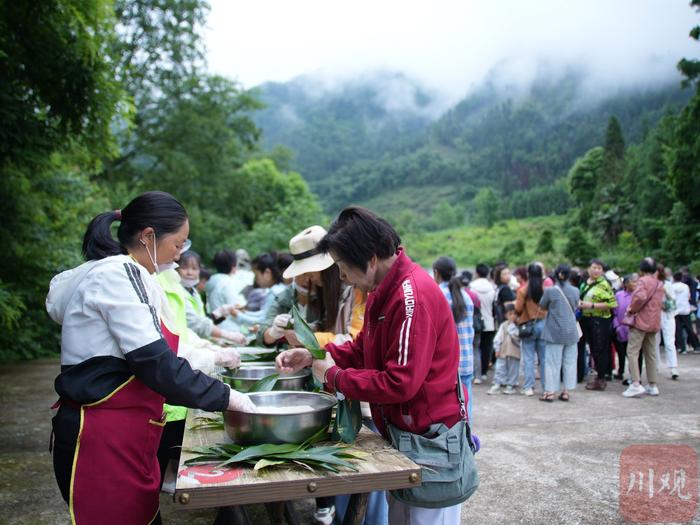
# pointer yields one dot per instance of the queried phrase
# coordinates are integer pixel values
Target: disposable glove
(240, 402)
(228, 357)
(235, 337)
(276, 331)
(293, 360)
(223, 311)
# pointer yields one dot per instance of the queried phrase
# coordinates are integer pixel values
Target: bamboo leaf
(306, 335)
(264, 384)
(264, 463)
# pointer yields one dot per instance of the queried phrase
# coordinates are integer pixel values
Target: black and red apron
(115, 479)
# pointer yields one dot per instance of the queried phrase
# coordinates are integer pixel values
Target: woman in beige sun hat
(324, 301)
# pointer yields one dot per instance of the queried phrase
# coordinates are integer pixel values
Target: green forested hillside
(351, 149)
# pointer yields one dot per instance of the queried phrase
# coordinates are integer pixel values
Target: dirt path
(540, 463)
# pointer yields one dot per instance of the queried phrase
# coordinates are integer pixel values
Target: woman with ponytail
(119, 364)
(445, 274)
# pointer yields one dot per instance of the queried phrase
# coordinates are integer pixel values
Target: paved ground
(541, 463)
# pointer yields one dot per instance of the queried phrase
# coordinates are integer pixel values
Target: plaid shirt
(465, 332)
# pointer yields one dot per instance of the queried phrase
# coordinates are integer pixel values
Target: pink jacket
(646, 304)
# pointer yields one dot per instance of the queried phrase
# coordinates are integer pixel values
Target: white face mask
(189, 283)
(154, 258)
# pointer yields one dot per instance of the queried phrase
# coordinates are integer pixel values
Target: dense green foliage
(100, 101)
(521, 143)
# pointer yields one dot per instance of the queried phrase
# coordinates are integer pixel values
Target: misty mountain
(381, 141)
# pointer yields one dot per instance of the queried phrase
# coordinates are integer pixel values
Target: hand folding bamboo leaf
(306, 335)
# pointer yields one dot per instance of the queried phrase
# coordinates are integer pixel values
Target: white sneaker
(529, 392)
(477, 381)
(495, 389)
(324, 515)
(484, 377)
(509, 390)
(634, 391)
(652, 390)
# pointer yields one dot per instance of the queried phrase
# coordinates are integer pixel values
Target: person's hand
(279, 325)
(228, 357)
(240, 403)
(291, 337)
(235, 337)
(293, 360)
(320, 366)
(223, 311)
(254, 329)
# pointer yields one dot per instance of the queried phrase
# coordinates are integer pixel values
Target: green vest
(176, 296)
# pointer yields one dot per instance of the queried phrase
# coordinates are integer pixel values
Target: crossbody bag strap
(647, 301)
(566, 299)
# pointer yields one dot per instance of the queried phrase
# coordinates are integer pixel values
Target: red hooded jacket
(404, 361)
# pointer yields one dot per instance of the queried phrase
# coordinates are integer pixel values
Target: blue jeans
(467, 380)
(558, 358)
(529, 347)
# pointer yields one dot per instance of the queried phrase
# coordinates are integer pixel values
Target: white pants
(668, 330)
(402, 514)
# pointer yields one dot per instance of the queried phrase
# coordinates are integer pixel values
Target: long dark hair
(535, 287)
(447, 270)
(269, 260)
(330, 297)
(157, 209)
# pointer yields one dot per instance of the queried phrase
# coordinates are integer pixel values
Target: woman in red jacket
(404, 361)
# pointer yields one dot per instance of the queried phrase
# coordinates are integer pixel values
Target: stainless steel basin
(242, 378)
(261, 427)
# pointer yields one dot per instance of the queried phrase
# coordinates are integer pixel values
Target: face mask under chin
(189, 283)
(154, 259)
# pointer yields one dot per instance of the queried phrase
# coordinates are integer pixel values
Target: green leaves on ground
(328, 457)
(306, 335)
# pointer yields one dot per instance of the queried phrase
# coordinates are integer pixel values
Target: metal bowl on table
(281, 417)
(243, 378)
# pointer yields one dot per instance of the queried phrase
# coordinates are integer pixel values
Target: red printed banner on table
(658, 483)
(205, 474)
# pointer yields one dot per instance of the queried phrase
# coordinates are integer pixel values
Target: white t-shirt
(681, 294)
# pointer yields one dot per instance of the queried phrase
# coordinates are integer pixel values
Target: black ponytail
(157, 209)
(447, 270)
(98, 242)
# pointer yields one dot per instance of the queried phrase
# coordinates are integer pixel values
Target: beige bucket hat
(307, 258)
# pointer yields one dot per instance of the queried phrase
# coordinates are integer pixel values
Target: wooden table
(198, 487)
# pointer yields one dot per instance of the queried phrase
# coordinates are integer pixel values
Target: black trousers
(683, 323)
(598, 337)
(65, 425)
(170, 443)
(621, 349)
(486, 349)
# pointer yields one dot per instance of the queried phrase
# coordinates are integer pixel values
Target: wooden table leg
(236, 515)
(357, 507)
(290, 514)
(275, 512)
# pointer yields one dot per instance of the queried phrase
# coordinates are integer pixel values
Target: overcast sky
(449, 45)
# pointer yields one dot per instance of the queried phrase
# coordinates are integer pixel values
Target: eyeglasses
(185, 246)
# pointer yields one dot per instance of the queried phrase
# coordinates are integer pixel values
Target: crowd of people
(145, 326)
(563, 325)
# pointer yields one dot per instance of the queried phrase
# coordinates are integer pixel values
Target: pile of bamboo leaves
(306, 455)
